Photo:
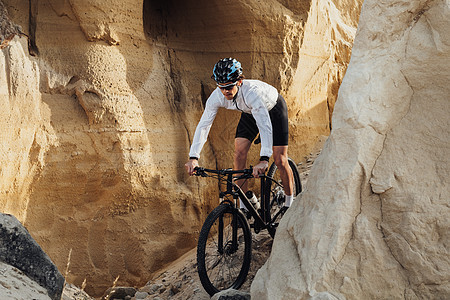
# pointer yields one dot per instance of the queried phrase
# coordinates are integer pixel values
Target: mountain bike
(224, 245)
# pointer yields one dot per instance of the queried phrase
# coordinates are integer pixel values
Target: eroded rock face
(102, 101)
(373, 221)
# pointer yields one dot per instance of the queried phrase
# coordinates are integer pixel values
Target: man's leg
(241, 148)
(281, 160)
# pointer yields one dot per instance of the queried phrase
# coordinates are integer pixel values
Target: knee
(281, 161)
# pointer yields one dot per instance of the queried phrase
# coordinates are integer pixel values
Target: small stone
(231, 294)
(140, 295)
(147, 289)
(152, 288)
(175, 289)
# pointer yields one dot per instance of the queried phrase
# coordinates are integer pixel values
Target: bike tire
(276, 193)
(221, 269)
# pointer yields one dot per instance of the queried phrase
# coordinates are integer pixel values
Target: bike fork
(229, 248)
(234, 242)
(220, 237)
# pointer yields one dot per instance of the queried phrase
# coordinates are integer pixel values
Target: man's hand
(191, 165)
(260, 168)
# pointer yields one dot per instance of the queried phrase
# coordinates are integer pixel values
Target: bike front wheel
(224, 250)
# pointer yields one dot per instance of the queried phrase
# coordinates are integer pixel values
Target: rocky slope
(101, 99)
(373, 221)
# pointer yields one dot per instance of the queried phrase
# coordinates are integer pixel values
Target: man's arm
(201, 133)
(264, 124)
(202, 130)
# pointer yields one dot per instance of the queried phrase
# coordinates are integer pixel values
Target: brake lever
(199, 172)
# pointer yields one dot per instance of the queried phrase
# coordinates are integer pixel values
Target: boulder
(372, 222)
(20, 250)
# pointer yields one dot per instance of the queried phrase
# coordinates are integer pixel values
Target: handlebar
(246, 173)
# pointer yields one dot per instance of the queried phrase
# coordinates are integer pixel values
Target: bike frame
(263, 220)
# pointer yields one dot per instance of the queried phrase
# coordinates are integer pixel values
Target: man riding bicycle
(263, 111)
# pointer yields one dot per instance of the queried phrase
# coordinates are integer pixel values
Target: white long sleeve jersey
(254, 97)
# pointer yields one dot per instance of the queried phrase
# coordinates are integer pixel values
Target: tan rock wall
(373, 221)
(97, 124)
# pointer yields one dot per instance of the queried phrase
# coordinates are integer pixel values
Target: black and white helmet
(227, 70)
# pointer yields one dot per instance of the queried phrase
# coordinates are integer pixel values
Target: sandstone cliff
(100, 103)
(373, 221)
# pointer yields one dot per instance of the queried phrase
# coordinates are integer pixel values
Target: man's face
(230, 89)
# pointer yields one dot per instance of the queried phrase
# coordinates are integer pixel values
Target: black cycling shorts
(248, 129)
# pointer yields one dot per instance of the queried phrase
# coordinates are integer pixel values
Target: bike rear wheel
(224, 250)
(276, 193)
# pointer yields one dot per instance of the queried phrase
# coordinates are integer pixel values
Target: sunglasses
(227, 87)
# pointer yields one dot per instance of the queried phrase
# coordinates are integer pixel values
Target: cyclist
(263, 111)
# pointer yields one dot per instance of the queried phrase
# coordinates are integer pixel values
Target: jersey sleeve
(262, 118)
(203, 127)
